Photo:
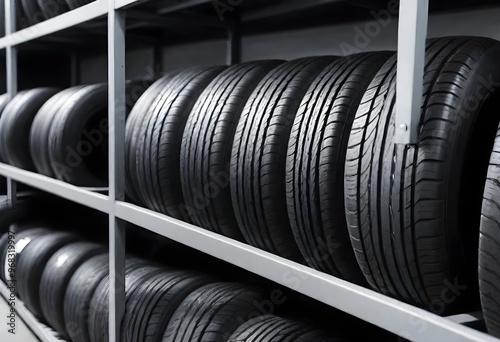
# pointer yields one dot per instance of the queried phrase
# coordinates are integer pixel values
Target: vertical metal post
(233, 52)
(412, 33)
(11, 59)
(116, 81)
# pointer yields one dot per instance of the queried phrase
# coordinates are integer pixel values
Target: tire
(21, 240)
(79, 292)
(152, 304)
(52, 8)
(72, 4)
(15, 125)
(135, 274)
(413, 211)
(212, 313)
(132, 137)
(56, 277)
(157, 158)
(206, 146)
(32, 263)
(39, 132)
(78, 135)
(489, 242)
(32, 11)
(257, 176)
(76, 160)
(21, 19)
(271, 328)
(315, 160)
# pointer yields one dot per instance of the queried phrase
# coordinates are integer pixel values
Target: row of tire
(64, 281)
(61, 134)
(297, 158)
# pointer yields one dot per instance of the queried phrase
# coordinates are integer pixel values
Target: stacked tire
(64, 281)
(61, 133)
(297, 158)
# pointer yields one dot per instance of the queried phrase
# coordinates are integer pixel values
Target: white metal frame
(400, 318)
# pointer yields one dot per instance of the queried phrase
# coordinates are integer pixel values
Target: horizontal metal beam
(94, 10)
(70, 192)
(390, 314)
(43, 332)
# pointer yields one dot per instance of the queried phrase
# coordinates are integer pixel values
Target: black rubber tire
(39, 132)
(21, 239)
(315, 164)
(72, 4)
(86, 110)
(152, 304)
(56, 276)
(258, 159)
(21, 19)
(15, 125)
(207, 142)
(78, 135)
(52, 8)
(269, 328)
(132, 131)
(212, 313)
(489, 244)
(412, 211)
(157, 158)
(79, 292)
(135, 274)
(30, 267)
(32, 11)
(4, 101)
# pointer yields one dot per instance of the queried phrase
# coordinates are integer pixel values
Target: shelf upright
(116, 86)
(412, 34)
(11, 58)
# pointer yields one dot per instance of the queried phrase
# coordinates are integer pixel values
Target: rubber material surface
(157, 157)
(32, 263)
(79, 292)
(212, 313)
(413, 211)
(489, 244)
(271, 328)
(15, 125)
(207, 142)
(151, 305)
(315, 163)
(56, 276)
(259, 155)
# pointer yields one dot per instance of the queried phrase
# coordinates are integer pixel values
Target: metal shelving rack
(390, 314)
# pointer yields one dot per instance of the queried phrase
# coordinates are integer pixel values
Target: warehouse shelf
(43, 332)
(87, 197)
(64, 21)
(395, 316)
